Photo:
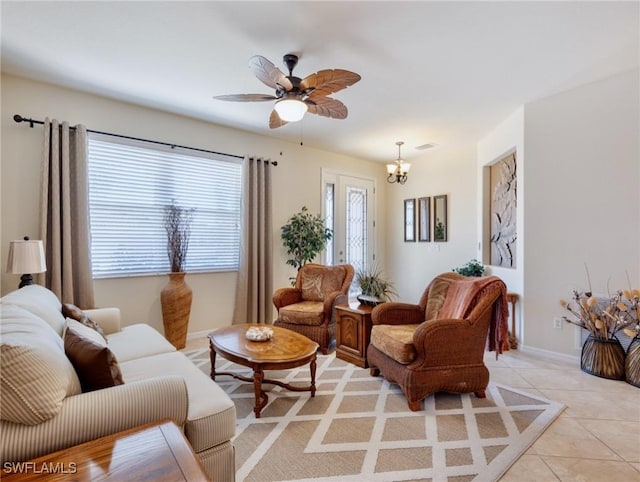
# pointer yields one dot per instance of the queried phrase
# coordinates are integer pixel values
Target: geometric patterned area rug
(359, 428)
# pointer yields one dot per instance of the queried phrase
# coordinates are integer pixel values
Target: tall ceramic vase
(175, 299)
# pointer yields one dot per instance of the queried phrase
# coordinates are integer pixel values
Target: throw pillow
(33, 382)
(94, 363)
(311, 286)
(316, 282)
(437, 295)
(69, 310)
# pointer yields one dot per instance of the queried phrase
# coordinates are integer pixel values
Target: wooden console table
(513, 340)
(353, 332)
(152, 452)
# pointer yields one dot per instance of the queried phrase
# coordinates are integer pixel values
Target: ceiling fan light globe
(291, 110)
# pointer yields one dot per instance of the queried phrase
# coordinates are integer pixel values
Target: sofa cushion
(69, 310)
(126, 344)
(41, 302)
(35, 374)
(303, 313)
(317, 282)
(395, 341)
(95, 364)
(212, 414)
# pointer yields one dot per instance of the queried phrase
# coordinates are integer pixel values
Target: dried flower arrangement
(604, 317)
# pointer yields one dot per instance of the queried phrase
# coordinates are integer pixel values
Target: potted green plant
(305, 236)
(176, 296)
(472, 268)
(375, 287)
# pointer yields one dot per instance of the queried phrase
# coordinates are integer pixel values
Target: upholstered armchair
(439, 344)
(309, 307)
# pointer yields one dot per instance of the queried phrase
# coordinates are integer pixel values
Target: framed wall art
(424, 219)
(503, 207)
(440, 218)
(409, 220)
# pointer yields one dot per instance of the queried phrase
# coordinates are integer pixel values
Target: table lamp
(25, 257)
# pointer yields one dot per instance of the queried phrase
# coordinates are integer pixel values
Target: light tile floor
(595, 439)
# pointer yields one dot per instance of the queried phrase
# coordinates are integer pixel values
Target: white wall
(579, 172)
(578, 201)
(440, 171)
(296, 182)
(582, 202)
(506, 137)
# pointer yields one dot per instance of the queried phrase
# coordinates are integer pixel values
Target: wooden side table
(152, 452)
(513, 340)
(353, 332)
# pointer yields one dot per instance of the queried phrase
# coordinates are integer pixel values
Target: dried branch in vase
(604, 317)
(177, 223)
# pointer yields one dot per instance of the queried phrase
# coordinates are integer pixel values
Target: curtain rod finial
(18, 118)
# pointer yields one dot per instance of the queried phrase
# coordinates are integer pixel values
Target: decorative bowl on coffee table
(259, 333)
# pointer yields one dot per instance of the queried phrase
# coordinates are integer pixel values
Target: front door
(349, 210)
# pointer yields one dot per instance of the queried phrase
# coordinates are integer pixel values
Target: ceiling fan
(295, 96)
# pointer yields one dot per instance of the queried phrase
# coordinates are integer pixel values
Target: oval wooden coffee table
(286, 349)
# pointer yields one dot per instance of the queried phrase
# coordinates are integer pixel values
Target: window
(329, 202)
(129, 185)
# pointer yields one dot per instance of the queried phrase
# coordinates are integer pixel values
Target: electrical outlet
(557, 323)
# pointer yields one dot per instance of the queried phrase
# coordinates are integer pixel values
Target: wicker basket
(632, 363)
(603, 358)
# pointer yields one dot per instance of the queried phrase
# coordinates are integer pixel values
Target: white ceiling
(432, 72)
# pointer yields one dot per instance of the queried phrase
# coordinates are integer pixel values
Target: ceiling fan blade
(268, 73)
(246, 97)
(327, 107)
(275, 121)
(326, 82)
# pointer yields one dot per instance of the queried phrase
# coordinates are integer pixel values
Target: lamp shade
(291, 110)
(26, 256)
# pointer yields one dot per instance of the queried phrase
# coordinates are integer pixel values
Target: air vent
(424, 147)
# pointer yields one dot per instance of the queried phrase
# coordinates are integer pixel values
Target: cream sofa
(43, 409)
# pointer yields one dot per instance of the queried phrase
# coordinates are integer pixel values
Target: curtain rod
(18, 118)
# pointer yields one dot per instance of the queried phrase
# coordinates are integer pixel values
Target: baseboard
(196, 335)
(550, 354)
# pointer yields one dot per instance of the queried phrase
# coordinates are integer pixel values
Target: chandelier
(397, 171)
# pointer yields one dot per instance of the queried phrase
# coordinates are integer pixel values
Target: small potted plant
(472, 268)
(375, 287)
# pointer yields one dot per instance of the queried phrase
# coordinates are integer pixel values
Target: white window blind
(130, 183)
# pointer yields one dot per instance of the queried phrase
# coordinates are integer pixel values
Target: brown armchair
(309, 307)
(438, 345)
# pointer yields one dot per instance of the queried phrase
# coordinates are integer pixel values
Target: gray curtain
(254, 289)
(64, 208)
